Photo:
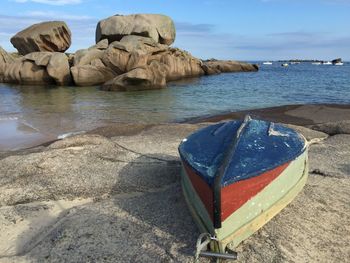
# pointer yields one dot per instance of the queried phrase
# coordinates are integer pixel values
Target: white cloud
(52, 2)
(53, 15)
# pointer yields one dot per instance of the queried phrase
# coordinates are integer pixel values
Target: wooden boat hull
(256, 211)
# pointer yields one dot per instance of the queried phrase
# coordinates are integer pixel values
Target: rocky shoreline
(299, 114)
(114, 195)
(132, 52)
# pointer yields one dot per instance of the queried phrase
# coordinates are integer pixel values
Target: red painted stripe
(203, 190)
(235, 195)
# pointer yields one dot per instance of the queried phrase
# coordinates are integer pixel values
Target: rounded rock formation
(88, 68)
(5, 59)
(39, 68)
(132, 52)
(158, 27)
(152, 76)
(53, 36)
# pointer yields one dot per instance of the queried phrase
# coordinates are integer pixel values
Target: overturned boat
(239, 174)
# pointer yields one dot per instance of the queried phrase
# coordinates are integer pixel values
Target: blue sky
(224, 29)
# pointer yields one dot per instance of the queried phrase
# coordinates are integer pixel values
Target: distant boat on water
(285, 65)
(267, 63)
(316, 63)
(337, 62)
(327, 63)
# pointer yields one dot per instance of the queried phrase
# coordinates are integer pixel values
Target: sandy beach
(114, 195)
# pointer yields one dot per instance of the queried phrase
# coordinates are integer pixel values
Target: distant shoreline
(304, 60)
(283, 60)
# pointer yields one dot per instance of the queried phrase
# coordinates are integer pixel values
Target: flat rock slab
(139, 213)
(313, 228)
(292, 114)
(331, 157)
(333, 128)
(23, 226)
(93, 165)
(320, 113)
(148, 227)
(156, 226)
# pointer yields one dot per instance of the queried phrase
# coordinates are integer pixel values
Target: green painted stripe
(197, 208)
(273, 198)
(257, 211)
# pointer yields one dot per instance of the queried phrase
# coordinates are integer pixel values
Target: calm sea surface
(57, 110)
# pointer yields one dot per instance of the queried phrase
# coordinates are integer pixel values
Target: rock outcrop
(158, 27)
(152, 76)
(58, 69)
(179, 64)
(214, 66)
(5, 59)
(88, 68)
(333, 128)
(132, 53)
(53, 36)
(91, 75)
(135, 63)
(39, 68)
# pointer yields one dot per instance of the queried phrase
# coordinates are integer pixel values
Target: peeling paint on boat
(257, 196)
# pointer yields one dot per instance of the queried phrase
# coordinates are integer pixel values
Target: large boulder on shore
(152, 76)
(58, 69)
(178, 63)
(158, 27)
(133, 63)
(39, 68)
(5, 59)
(131, 52)
(88, 66)
(91, 75)
(53, 36)
(144, 64)
(116, 57)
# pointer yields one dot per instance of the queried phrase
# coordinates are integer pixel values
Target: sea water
(54, 111)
